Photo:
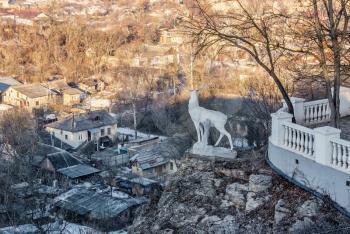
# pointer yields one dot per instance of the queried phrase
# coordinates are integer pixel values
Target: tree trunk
(284, 95)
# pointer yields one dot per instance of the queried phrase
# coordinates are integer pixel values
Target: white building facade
(77, 130)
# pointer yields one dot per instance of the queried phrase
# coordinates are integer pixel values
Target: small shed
(98, 209)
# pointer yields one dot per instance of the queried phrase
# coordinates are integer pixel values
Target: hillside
(244, 196)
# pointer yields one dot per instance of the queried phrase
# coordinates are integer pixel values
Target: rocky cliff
(242, 196)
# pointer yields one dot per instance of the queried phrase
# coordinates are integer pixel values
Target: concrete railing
(340, 154)
(322, 145)
(316, 111)
(309, 113)
(299, 139)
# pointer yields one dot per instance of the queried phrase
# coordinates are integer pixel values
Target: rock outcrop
(243, 196)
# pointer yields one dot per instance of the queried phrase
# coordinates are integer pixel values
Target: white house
(97, 126)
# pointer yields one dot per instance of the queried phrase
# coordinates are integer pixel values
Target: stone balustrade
(309, 113)
(322, 144)
(316, 159)
(316, 111)
(298, 138)
(340, 154)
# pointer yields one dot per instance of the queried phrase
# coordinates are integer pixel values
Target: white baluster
(318, 114)
(307, 143)
(343, 159)
(286, 129)
(315, 113)
(321, 112)
(290, 136)
(327, 111)
(296, 147)
(307, 114)
(334, 154)
(339, 155)
(302, 142)
(347, 158)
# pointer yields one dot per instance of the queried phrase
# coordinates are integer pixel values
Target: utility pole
(191, 69)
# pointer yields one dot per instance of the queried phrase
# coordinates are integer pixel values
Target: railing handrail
(316, 102)
(299, 127)
(340, 141)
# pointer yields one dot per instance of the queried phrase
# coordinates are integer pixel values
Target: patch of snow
(25, 228)
(119, 194)
(20, 185)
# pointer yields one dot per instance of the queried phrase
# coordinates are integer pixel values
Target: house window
(37, 103)
(102, 131)
(66, 137)
(171, 166)
(109, 131)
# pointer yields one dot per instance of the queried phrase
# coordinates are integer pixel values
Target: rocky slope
(244, 196)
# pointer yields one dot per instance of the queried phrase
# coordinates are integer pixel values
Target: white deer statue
(203, 119)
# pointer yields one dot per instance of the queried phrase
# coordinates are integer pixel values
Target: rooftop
(58, 84)
(62, 86)
(91, 120)
(77, 171)
(159, 154)
(32, 90)
(98, 205)
(62, 159)
(72, 91)
(6, 82)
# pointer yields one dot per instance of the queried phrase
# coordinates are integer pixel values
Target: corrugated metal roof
(98, 205)
(77, 171)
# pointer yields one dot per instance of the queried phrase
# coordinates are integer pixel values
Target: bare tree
(321, 32)
(18, 130)
(137, 85)
(252, 30)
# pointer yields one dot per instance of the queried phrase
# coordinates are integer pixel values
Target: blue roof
(6, 82)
